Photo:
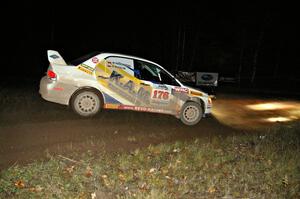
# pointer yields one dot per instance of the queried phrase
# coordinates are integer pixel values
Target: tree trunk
(257, 50)
(194, 50)
(275, 72)
(178, 47)
(183, 45)
(259, 41)
(241, 56)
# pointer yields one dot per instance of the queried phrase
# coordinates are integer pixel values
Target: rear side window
(123, 63)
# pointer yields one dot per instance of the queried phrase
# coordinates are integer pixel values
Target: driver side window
(150, 72)
(146, 71)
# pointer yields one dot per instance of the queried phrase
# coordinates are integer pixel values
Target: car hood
(196, 90)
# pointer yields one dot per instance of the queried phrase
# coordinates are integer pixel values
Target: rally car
(116, 81)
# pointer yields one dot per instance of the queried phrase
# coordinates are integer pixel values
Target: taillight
(51, 74)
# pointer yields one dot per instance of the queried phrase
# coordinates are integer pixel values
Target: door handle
(103, 77)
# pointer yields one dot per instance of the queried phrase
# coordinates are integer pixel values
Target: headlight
(209, 101)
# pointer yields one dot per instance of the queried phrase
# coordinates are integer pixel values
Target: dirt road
(31, 128)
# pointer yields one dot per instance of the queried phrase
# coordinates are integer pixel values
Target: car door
(117, 76)
(157, 84)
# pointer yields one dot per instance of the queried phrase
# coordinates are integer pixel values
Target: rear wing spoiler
(55, 58)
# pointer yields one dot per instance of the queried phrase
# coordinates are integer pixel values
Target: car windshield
(83, 58)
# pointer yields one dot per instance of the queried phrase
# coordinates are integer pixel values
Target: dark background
(233, 38)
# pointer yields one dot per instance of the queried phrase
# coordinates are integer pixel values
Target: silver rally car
(115, 81)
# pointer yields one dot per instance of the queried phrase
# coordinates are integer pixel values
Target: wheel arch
(197, 100)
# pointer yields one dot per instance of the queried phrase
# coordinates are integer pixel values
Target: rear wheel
(191, 113)
(86, 103)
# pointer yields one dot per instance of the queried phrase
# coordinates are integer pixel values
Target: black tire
(86, 102)
(191, 113)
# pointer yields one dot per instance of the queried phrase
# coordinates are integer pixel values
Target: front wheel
(191, 113)
(86, 103)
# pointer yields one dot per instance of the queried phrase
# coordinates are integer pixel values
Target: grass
(243, 166)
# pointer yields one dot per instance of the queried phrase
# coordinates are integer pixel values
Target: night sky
(221, 38)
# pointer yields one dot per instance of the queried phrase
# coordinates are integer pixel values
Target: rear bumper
(53, 91)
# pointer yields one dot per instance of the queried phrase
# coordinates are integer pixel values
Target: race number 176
(159, 94)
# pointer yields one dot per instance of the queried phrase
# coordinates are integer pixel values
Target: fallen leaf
(285, 181)
(178, 161)
(121, 177)
(19, 184)
(70, 169)
(206, 165)
(93, 195)
(152, 170)
(211, 189)
(38, 188)
(104, 176)
(88, 172)
(269, 162)
(176, 150)
(143, 186)
(105, 180)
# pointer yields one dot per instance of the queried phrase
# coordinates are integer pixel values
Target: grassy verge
(245, 166)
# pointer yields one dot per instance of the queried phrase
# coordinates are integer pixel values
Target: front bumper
(207, 110)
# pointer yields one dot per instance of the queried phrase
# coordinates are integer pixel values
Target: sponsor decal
(54, 56)
(160, 95)
(180, 93)
(137, 95)
(85, 68)
(181, 90)
(128, 88)
(120, 64)
(207, 77)
(160, 86)
(58, 88)
(95, 60)
(144, 109)
(111, 106)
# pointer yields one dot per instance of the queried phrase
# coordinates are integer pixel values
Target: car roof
(108, 54)
(104, 55)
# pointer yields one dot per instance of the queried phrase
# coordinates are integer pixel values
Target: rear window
(83, 58)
